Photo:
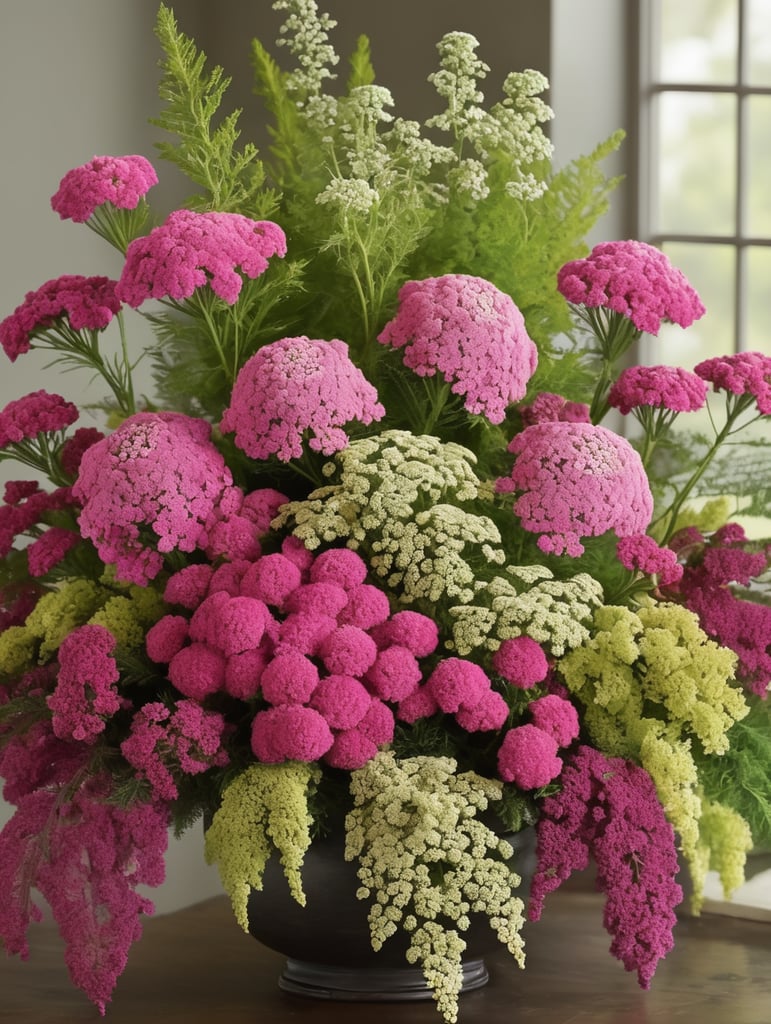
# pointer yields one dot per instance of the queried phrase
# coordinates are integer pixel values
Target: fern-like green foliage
(231, 179)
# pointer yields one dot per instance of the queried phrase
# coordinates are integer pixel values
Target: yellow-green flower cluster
(264, 809)
(725, 842)
(399, 499)
(527, 601)
(60, 611)
(425, 858)
(652, 683)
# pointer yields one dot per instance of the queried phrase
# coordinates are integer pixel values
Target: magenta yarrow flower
(85, 694)
(191, 250)
(528, 757)
(48, 550)
(120, 180)
(159, 471)
(556, 716)
(743, 373)
(548, 407)
(296, 386)
(521, 661)
(576, 480)
(470, 332)
(36, 413)
(664, 387)
(639, 552)
(84, 302)
(634, 279)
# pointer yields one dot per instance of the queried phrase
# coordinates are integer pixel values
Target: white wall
(79, 78)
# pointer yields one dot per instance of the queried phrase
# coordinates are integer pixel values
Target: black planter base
(369, 984)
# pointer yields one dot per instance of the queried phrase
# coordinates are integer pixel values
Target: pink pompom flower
(298, 386)
(395, 673)
(119, 180)
(157, 470)
(290, 733)
(528, 757)
(556, 716)
(456, 683)
(198, 670)
(521, 661)
(348, 649)
(490, 713)
(71, 301)
(342, 700)
(743, 373)
(413, 630)
(192, 250)
(272, 578)
(289, 678)
(577, 480)
(85, 695)
(633, 279)
(470, 332)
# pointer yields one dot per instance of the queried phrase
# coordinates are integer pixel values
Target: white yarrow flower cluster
(305, 32)
(426, 857)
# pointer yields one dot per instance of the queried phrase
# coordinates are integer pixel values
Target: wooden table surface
(196, 966)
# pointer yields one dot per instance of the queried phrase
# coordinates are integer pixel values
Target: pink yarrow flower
(528, 757)
(48, 550)
(469, 331)
(36, 413)
(667, 387)
(85, 694)
(633, 279)
(87, 303)
(157, 470)
(120, 180)
(547, 407)
(577, 480)
(191, 250)
(743, 373)
(640, 552)
(294, 386)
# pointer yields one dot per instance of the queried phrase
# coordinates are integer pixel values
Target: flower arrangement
(369, 549)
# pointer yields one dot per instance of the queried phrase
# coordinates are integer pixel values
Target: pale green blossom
(305, 33)
(351, 195)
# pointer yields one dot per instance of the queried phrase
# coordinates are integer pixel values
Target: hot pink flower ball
(456, 683)
(298, 388)
(350, 750)
(469, 331)
(198, 670)
(557, 717)
(521, 661)
(490, 713)
(528, 757)
(289, 678)
(576, 480)
(290, 733)
(342, 700)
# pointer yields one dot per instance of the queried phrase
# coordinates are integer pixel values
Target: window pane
(758, 208)
(698, 41)
(710, 269)
(759, 42)
(696, 169)
(758, 299)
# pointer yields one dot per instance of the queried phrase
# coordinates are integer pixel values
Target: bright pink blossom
(634, 279)
(296, 552)
(341, 566)
(290, 733)
(49, 549)
(413, 630)
(166, 637)
(490, 713)
(641, 552)
(95, 856)
(395, 673)
(547, 407)
(528, 757)
(367, 606)
(608, 808)
(577, 480)
(347, 649)
(664, 387)
(159, 471)
(16, 491)
(243, 672)
(191, 250)
(421, 703)
(470, 332)
(119, 180)
(521, 661)
(305, 631)
(556, 716)
(743, 373)
(294, 387)
(188, 586)
(228, 576)
(378, 723)
(164, 744)
(198, 670)
(19, 518)
(84, 302)
(289, 678)
(317, 599)
(350, 750)
(342, 700)
(272, 578)
(73, 448)
(37, 758)
(85, 695)
(457, 683)
(36, 413)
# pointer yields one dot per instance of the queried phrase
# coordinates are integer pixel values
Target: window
(705, 164)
